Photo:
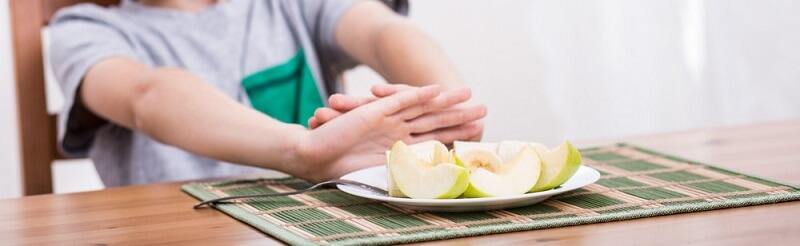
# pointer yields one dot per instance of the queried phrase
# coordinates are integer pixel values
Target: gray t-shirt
(279, 57)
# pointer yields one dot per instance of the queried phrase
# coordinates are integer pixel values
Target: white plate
(376, 176)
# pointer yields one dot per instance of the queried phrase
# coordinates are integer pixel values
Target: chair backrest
(37, 133)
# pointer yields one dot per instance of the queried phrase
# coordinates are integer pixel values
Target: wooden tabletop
(161, 213)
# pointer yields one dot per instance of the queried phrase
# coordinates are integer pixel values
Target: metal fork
(345, 182)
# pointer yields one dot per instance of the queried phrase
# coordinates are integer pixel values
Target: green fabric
(286, 92)
(635, 183)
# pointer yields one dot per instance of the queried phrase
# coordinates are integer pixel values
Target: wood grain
(37, 128)
(161, 213)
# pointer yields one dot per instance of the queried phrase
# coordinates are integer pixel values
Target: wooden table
(161, 213)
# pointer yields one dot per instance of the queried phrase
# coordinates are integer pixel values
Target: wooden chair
(37, 133)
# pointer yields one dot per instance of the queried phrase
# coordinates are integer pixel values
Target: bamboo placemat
(635, 183)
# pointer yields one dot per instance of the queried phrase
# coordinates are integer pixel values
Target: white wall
(574, 69)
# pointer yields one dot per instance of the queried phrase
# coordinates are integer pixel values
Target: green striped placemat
(635, 183)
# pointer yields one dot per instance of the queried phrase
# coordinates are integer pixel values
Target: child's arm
(401, 53)
(391, 45)
(175, 107)
(443, 125)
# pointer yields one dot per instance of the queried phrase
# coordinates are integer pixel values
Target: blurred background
(565, 69)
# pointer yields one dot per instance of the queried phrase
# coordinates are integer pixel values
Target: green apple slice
(462, 148)
(455, 159)
(490, 177)
(441, 154)
(425, 150)
(558, 165)
(482, 159)
(509, 148)
(429, 151)
(419, 179)
(391, 187)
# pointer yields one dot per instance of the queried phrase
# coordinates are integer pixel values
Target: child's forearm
(394, 47)
(177, 108)
(388, 43)
(211, 124)
(406, 55)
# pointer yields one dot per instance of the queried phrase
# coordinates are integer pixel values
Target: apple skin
(474, 192)
(455, 191)
(458, 189)
(457, 160)
(566, 166)
(517, 176)
(402, 161)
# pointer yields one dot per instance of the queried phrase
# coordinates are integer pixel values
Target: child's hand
(360, 137)
(439, 125)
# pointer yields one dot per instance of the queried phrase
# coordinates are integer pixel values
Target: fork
(344, 182)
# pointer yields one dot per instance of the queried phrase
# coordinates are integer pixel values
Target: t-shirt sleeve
(323, 16)
(81, 36)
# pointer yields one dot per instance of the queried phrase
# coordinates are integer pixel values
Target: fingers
(340, 104)
(412, 102)
(344, 103)
(467, 131)
(323, 115)
(447, 118)
(404, 100)
(447, 99)
(384, 90)
(313, 123)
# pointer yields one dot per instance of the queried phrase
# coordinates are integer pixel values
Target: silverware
(345, 182)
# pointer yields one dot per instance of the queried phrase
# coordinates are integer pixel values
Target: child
(180, 89)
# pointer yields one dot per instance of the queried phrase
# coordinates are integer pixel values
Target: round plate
(377, 176)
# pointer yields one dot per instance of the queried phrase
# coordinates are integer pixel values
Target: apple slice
(477, 159)
(558, 165)
(509, 148)
(391, 186)
(441, 154)
(491, 177)
(417, 178)
(462, 148)
(430, 151)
